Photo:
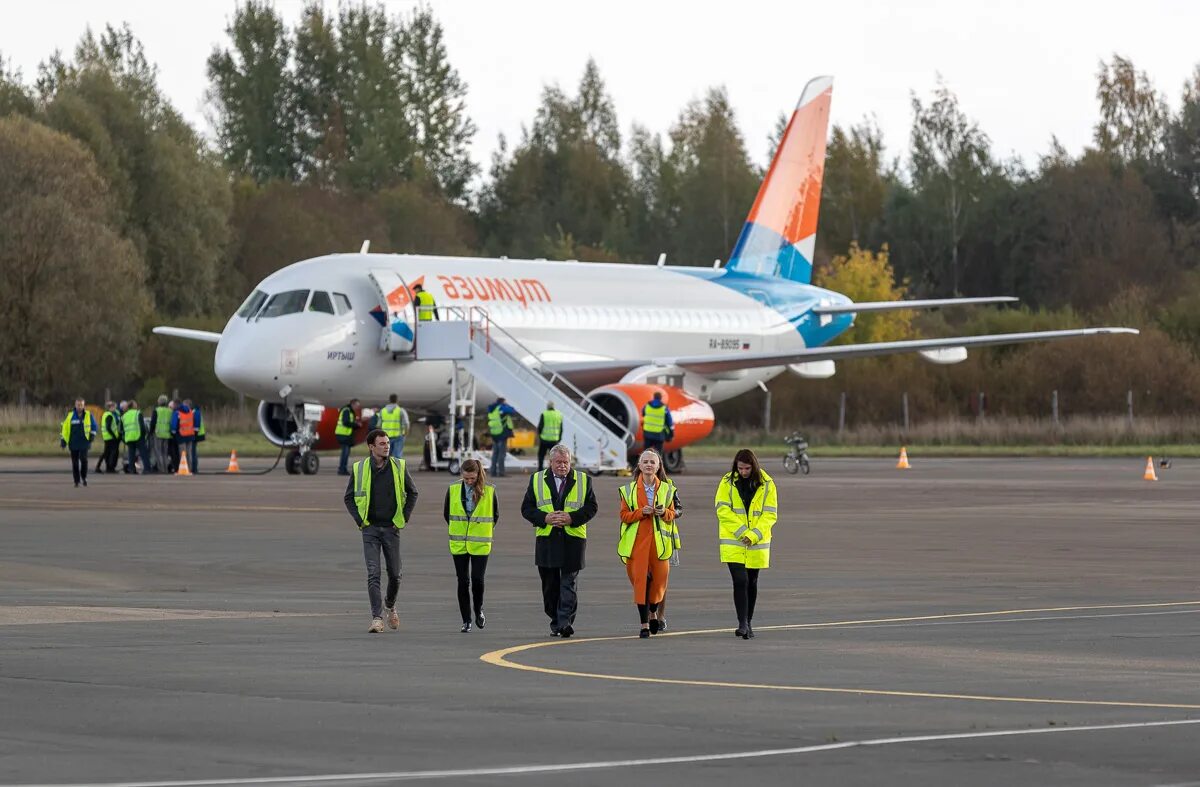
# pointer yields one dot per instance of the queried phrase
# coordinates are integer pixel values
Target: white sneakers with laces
(376, 626)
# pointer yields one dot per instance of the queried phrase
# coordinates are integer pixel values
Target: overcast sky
(1024, 70)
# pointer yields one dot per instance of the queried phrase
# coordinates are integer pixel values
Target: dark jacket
(77, 441)
(558, 550)
(462, 498)
(382, 506)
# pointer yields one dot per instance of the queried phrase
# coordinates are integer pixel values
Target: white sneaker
(376, 626)
(393, 620)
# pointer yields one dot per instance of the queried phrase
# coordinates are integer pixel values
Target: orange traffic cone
(1149, 475)
(183, 465)
(233, 463)
(903, 463)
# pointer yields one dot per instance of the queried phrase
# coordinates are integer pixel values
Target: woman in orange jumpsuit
(646, 542)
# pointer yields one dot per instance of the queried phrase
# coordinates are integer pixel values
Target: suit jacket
(558, 550)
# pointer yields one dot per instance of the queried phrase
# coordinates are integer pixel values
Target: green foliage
(1133, 115)
(15, 97)
(64, 265)
(854, 187)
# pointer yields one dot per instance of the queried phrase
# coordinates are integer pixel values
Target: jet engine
(623, 402)
(279, 426)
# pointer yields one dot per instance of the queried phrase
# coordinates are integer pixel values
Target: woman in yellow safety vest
(647, 538)
(471, 512)
(747, 505)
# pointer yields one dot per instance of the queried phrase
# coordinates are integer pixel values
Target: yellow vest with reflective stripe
(363, 473)
(551, 426)
(573, 502)
(471, 534)
(341, 429)
(734, 522)
(425, 305)
(654, 420)
(162, 423)
(664, 538)
(86, 423)
(131, 425)
(498, 422)
(108, 426)
(391, 420)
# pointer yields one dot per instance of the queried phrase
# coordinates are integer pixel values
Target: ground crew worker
(656, 423)
(110, 432)
(393, 419)
(132, 433)
(160, 431)
(380, 497)
(77, 432)
(184, 425)
(426, 306)
(500, 427)
(549, 432)
(347, 422)
(747, 506)
(647, 542)
(559, 503)
(471, 512)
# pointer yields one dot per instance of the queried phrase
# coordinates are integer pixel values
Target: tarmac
(969, 621)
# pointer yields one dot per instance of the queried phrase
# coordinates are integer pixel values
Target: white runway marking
(517, 770)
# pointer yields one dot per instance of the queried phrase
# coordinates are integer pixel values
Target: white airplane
(323, 331)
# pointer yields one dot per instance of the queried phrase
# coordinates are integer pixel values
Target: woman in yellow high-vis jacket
(471, 512)
(747, 505)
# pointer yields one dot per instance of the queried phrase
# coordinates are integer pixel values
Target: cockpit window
(291, 302)
(252, 304)
(320, 302)
(343, 303)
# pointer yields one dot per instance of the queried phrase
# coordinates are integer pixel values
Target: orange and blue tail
(780, 234)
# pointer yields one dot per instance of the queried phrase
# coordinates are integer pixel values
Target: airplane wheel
(310, 463)
(292, 463)
(673, 461)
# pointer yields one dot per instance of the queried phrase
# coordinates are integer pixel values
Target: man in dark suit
(559, 503)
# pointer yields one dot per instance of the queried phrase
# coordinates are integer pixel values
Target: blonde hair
(661, 473)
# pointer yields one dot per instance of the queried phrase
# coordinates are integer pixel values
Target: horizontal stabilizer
(887, 306)
(188, 333)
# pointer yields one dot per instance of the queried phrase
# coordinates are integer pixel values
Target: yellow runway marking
(499, 658)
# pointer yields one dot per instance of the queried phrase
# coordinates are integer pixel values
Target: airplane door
(399, 313)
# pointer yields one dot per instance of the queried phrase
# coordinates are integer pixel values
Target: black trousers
(745, 591)
(109, 457)
(655, 441)
(544, 447)
(470, 570)
(386, 539)
(79, 463)
(560, 599)
(173, 455)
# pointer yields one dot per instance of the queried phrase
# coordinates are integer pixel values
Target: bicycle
(796, 459)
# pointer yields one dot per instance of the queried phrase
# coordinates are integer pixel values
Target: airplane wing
(601, 372)
(887, 306)
(188, 333)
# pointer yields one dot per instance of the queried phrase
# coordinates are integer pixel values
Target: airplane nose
(244, 366)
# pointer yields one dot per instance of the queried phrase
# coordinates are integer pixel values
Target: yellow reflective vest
(654, 419)
(391, 420)
(471, 534)
(665, 534)
(425, 306)
(131, 425)
(86, 422)
(363, 472)
(734, 522)
(574, 501)
(108, 426)
(341, 429)
(551, 426)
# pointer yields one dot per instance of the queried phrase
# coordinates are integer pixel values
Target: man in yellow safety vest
(549, 432)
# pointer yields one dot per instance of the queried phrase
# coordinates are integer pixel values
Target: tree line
(353, 123)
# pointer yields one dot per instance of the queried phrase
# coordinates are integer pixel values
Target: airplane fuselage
(560, 311)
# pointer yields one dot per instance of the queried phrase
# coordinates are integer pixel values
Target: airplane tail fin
(780, 234)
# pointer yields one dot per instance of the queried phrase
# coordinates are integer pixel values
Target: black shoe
(555, 632)
(84, 482)
(76, 484)
(644, 634)
(480, 620)
(566, 631)
(740, 631)
(343, 472)
(749, 631)
(466, 628)
(654, 627)
(662, 626)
